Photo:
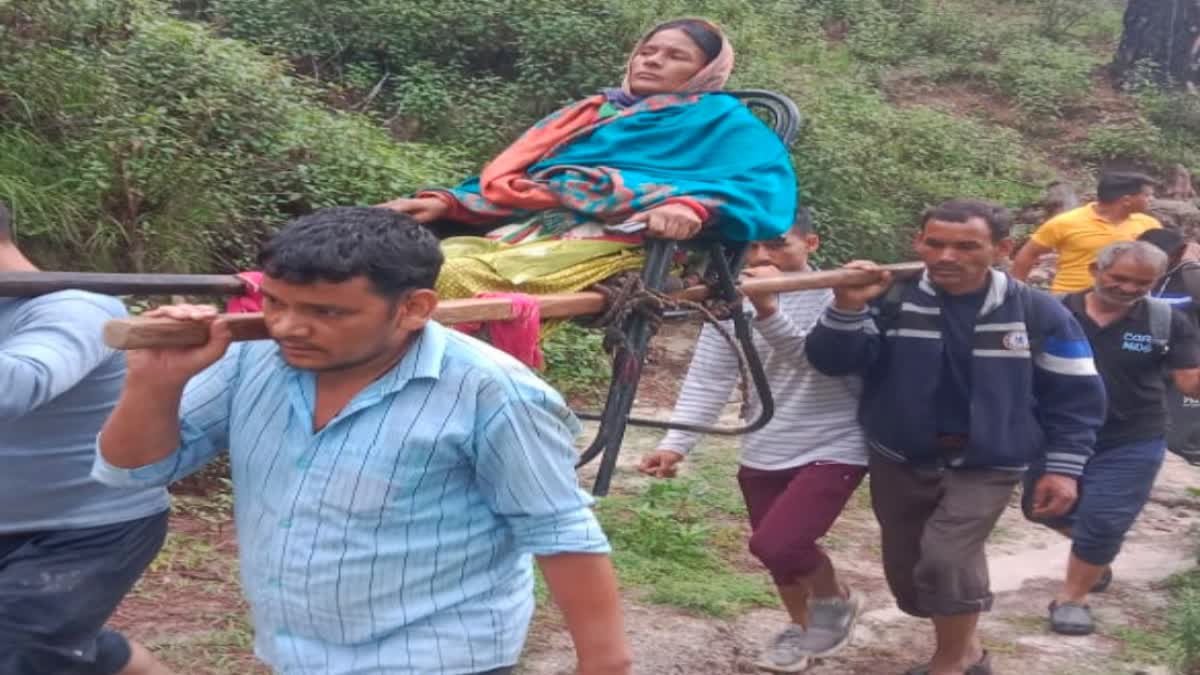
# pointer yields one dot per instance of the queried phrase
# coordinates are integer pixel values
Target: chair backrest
(785, 117)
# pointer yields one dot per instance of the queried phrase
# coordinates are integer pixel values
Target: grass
(861, 501)
(677, 542)
(221, 651)
(1183, 622)
(541, 592)
(1139, 645)
(184, 552)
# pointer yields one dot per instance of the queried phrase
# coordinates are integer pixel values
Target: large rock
(1179, 214)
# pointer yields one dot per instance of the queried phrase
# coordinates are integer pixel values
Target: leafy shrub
(161, 147)
(1172, 122)
(439, 64)
(575, 360)
(1045, 78)
(469, 73)
(868, 168)
(1132, 140)
(1058, 18)
(1173, 111)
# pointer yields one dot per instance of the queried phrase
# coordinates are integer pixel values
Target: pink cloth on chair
(518, 336)
(251, 299)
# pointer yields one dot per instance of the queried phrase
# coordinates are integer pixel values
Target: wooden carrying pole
(143, 333)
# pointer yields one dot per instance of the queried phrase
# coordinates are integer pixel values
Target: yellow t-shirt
(1079, 235)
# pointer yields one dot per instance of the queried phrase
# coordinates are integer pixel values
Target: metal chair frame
(725, 259)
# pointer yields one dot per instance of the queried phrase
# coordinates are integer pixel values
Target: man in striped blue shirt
(391, 477)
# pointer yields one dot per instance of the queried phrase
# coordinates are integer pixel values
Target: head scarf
(712, 77)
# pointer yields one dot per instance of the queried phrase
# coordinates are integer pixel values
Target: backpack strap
(1034, 319)
(1160, 324)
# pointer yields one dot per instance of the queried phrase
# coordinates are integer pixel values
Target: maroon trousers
(791, 509)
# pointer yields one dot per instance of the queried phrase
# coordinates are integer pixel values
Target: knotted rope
(626, 295)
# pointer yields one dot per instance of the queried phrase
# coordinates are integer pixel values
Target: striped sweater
(814, 414)
(1035, 395)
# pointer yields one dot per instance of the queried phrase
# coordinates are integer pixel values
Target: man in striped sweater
(969, 377)
(797, 472)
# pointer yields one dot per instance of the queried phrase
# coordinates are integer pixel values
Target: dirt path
(189, 608)
(1025, 562)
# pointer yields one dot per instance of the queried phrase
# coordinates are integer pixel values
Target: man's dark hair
(5, 223)
(803, 224)
(1169, 240)
(998, 219)
(390, 249)
(1116, 184)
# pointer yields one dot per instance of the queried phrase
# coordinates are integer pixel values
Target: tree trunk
(1165, 36)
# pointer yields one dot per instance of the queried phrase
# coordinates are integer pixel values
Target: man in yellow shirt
(1119, 214)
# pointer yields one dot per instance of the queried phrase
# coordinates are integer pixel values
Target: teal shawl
(707, 148)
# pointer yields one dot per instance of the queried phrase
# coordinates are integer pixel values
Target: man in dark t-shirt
(1132, 358)
(1180, 287)
(1180, 284)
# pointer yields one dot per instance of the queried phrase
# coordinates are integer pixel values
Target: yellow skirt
(475, 265)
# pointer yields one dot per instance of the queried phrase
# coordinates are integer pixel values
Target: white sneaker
(831, 624)
(785, 653)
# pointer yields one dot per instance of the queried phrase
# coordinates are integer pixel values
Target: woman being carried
(667, 149)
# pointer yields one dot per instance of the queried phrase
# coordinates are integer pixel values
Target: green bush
(1174, 111)
(476, 74)
(575, 360)
(1132, 140)
(869, 168)
(1060, 19)
(1044, 77)
(160, 147)
(454, 71)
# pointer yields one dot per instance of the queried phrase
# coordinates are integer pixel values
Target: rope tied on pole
(626, 294)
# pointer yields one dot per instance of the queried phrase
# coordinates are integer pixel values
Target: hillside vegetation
(148, 135)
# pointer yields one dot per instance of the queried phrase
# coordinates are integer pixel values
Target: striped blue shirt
(396, 539)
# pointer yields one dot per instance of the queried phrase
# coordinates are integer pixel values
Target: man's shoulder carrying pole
(142, 333)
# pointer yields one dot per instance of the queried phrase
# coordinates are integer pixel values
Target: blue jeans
(1113, 489)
